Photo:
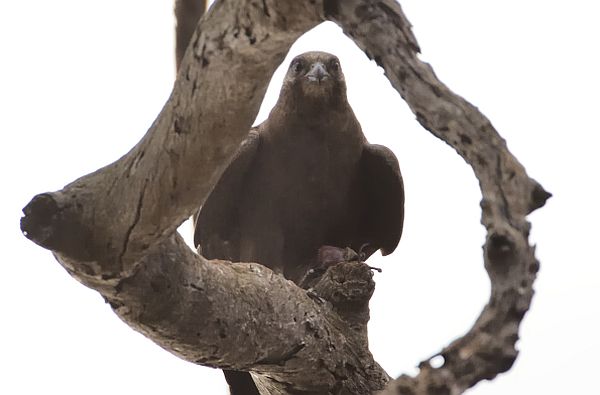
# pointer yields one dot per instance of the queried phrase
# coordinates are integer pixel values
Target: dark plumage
(304, 178)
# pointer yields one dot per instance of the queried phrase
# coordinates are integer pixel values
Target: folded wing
(382, 190)
(217, 227)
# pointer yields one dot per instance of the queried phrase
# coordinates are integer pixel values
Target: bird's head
(315, 78)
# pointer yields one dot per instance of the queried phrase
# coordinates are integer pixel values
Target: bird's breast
(309, 176)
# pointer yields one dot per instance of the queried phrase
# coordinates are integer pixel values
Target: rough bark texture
(383, 32)
(242, 316)
(107, 220)
(114, 229)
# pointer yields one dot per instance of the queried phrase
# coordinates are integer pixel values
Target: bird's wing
(382, 199)
(216, 225)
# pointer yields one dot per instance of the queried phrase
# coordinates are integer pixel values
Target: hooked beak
(317, 73)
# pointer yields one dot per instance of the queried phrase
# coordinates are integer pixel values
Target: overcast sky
(81, 82)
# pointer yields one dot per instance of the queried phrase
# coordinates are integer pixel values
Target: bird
(303, 179)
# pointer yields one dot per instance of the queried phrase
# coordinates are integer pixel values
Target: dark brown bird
(304, 178)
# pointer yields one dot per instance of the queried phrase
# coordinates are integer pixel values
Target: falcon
(303, 179)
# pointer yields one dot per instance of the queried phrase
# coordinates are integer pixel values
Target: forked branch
(114, 230)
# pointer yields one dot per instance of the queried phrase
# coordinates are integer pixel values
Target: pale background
(80, 83)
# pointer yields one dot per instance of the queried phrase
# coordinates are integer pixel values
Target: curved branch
(113, 229)
(383, 32)
(219, 314)
(117, 213)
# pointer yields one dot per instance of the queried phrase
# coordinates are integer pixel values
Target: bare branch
(120, 211)
(114, 229)
(383, 32)
(187, 13)
(242, 316)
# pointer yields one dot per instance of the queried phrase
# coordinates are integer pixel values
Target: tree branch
(383, 32)
(114, 229)
(242, 316)
(105, 222)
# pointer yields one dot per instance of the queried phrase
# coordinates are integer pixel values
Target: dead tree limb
(107, 220)
(114, 230)
(242, 316)
(509, 194)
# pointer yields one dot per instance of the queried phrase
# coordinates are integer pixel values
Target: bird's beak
(317, 72)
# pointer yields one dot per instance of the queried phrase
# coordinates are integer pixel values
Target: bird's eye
(297, 66)
(334, 65)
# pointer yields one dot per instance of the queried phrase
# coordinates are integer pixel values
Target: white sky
(81, 82)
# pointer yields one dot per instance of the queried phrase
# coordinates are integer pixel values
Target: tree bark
(509, 195)
(108, 220)
(115, 229)
(242, 316)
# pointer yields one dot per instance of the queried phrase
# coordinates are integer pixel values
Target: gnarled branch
(118, 212)
(242, 316)
(383, 32)
(114, 229)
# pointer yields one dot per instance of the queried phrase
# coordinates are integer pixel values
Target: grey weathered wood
(242, 316)
(509, 194)
(113, 230)
(121, 210)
